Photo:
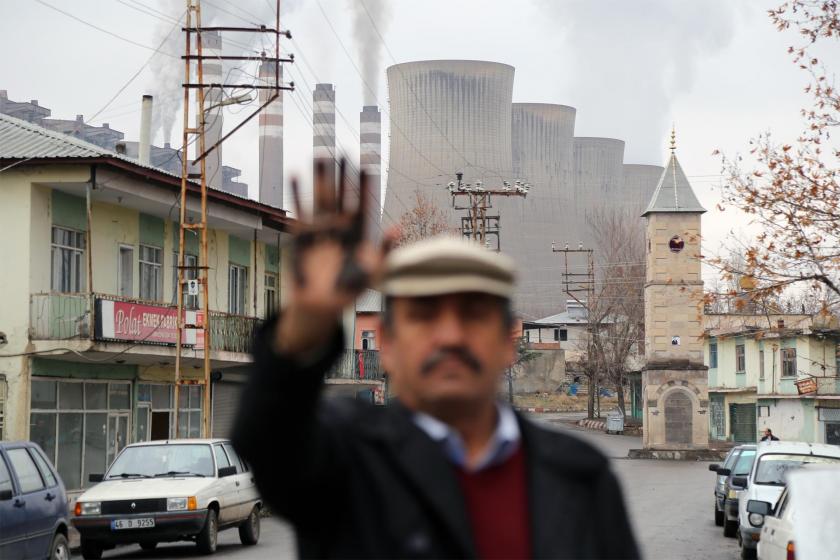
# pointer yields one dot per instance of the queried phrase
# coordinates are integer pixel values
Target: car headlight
(733, 494)
(756, 519)
(176, 504)
(88, 508)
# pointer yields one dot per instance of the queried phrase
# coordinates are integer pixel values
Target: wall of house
(367, 322)
(790, 419)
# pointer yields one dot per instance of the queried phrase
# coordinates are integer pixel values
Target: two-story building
(784, 378)
(88, 322)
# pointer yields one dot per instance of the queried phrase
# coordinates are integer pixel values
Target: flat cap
(447, 265)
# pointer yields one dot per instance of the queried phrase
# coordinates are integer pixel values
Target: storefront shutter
(225, 403)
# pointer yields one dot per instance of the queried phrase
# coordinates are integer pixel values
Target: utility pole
(477, 224)
(577, 285)
(194, 57)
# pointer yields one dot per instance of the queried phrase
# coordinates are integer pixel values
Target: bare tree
(792, 191)
(424, 219)
(617, 309)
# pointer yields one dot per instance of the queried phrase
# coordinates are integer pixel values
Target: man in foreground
(445, 472)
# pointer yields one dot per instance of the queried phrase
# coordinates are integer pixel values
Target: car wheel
(91, 550)
(719, 517)
(206, 539)
(748, 553)
(59, 549)
(148, 545)
(730, 528)
(249, 531)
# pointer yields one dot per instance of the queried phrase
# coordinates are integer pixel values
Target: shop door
(117, 434)
(225, 403)
(832, 433)
(144, 422)
(742, 423)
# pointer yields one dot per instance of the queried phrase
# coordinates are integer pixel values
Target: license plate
(136, 523)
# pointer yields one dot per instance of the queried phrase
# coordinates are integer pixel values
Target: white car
(186, 489)
(767, 480)
(777, 531)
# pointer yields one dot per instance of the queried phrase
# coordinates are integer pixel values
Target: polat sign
(142, 323)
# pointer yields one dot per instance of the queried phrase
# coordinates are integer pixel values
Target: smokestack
(212, 46)
(144, 150)
(271, 139)
(323, 124)
(370, 158)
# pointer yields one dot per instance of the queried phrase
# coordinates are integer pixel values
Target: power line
(112, 34)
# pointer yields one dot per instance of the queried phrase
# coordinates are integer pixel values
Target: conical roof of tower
(673, 192)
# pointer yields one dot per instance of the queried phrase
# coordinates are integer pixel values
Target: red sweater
(497, 504)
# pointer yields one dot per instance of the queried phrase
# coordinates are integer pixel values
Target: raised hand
(332, 260)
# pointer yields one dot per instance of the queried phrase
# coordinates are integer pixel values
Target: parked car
(767, 479)
(720, 480)
(33, 505)
(733, 487)
(776, 541)
(174, 490)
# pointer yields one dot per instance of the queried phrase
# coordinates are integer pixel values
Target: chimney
(212, 47)
(323, 124)
(271, 138)
(370, 159)
(120, 147)
(145, 131)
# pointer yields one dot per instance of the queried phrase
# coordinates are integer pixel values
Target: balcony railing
(62, 316)
(357, 364)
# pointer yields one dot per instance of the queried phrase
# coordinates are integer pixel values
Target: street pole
(478, 225)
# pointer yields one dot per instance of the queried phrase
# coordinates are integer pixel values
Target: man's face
(446, 350)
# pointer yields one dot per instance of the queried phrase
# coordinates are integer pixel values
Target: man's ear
(386, 345)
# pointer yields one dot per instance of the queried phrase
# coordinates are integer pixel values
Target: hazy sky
(716, 68)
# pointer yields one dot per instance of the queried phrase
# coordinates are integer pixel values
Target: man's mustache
(459, 352)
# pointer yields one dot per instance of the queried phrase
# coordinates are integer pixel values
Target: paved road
(670, 504)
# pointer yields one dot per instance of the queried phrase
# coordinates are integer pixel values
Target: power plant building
(451, 116)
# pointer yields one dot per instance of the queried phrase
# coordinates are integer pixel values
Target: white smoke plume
(627, 62)
(368, 42)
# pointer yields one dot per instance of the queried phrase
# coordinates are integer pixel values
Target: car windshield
(773, 468)
(147, 461)
(731, 458)
(745, 462)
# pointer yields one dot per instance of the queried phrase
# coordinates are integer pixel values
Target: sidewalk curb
(599, 425)
(541, 409)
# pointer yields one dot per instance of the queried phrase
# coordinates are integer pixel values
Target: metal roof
(673, 192)
(20, 139)
(369, 301)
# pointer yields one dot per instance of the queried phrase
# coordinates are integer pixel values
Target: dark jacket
(362, 481)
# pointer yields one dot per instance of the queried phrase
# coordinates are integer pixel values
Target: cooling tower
(639, 183)
(370, 161)
(598, 181)
(212, 46)
(271, 139)
(446, 116)
(542, 149)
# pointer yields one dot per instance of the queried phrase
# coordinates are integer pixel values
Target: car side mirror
(227, 471)
(740, 481)
(759, 507)
(714, 467)
(724, 472)
(5, 494)
(99, 477)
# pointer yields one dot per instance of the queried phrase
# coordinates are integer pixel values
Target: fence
(357, 364)
(232, 333)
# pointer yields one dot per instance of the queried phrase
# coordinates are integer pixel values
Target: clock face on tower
(676, 244)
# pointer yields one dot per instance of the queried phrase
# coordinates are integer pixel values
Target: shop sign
(806, 385)
(141, 323)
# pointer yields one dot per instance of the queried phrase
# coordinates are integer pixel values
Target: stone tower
(674, 380)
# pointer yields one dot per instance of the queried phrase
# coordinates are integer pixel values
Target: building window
(788, 362)
(189, 411)
(68, 250)
(270, 295)
(190, 302)
(237, 289)
(740, 359)
(125, 271)
(368, 340)
(80, 425)
(713, 355)
(561, 335)
(151, 273)
(761, 364)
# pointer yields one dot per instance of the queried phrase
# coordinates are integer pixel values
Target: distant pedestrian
(768, 435)
(446, 470)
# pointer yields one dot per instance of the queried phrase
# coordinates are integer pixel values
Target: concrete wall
(367, 322)
(790, 419)
(543, 373)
